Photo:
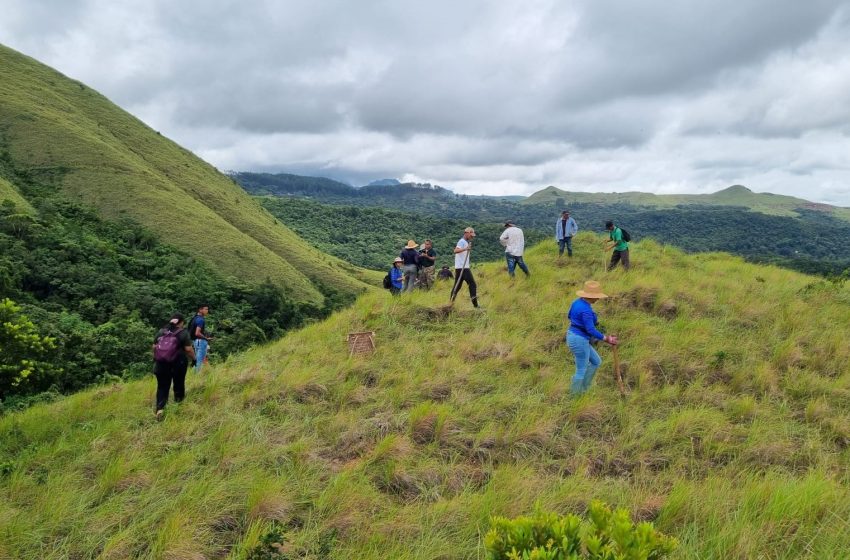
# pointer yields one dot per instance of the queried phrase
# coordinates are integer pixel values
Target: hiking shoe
(159, 415)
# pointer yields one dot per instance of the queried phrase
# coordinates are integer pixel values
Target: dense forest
(81, 298)
(372, 237)
(814, 243)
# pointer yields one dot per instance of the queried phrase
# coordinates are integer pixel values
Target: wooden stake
(617, 371)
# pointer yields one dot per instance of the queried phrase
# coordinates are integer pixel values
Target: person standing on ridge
(462, 267)
(583, 327)
(619, 244)
(198, 334)
(427, 260)
(410, 265)
(171, 346)
(513, 240)
(565, 229)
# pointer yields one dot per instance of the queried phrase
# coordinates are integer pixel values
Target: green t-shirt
(617, 235)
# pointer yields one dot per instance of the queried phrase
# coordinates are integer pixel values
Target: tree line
(81, 299)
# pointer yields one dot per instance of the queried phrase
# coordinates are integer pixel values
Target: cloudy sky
(491, 97)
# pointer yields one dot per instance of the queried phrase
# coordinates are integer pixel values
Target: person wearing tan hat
(582, 329)
(410, 265)
(396, 276)
(462, 264)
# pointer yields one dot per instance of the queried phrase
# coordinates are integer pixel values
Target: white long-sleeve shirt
(513, 240)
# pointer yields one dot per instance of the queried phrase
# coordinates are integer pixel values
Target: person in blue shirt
(396, 277)
(198, 334)
(582, 329)
(565, 229)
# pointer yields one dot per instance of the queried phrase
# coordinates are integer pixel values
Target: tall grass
(733, 436)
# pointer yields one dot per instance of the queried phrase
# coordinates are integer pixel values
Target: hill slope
(59, 131)
(9, 192)
(734, 436)
(736, 195)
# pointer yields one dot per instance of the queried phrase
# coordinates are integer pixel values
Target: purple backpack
(167, 348)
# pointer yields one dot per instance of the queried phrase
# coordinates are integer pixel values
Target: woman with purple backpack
(172, 349)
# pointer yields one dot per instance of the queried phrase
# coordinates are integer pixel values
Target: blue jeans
(200, 345)
(568, 241)
(587, 362)
(513, 262)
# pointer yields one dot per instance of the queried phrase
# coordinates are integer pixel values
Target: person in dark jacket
(583, 328)
(410, 265)
(172, 368)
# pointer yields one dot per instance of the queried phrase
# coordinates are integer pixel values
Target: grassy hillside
(734, 437)
(59, 131)
(737, 195)
(9, 192)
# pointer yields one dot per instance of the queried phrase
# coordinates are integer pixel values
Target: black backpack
(388, 283)
(626, 236)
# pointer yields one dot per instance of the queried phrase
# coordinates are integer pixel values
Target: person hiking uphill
(171, 349)
(198, 334)
(513, 240)
(410, 265)
(462, 264)
(565, 229)
(583, 323)
(619, 244)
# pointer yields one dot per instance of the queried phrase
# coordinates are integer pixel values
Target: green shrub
(605, 535)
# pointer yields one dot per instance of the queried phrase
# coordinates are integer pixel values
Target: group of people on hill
(175, 344)
(582, 333)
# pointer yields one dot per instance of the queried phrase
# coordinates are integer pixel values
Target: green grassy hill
(737, 195)
(56, 130)
(734, 436)
(9, 192)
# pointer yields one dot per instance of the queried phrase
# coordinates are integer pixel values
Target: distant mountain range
(764, 227)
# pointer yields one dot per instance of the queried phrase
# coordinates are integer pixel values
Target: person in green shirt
(620, 246)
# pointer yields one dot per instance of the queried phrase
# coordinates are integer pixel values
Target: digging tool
(617, 371)
(456, 287)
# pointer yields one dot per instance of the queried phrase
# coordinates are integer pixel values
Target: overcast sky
(488, 97)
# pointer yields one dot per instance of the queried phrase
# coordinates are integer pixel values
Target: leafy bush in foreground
(606, 535)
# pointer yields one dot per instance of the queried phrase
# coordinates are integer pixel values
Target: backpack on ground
(388, 282)
(167, 348)
(626, 235)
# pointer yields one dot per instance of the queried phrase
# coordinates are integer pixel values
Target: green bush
(605, 535)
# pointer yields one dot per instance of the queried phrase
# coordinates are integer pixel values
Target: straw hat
(592, 290)
(411, 245)
(469, 230)
(397, 259)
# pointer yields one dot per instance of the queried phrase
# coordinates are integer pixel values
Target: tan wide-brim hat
(469, 230)
(592, 290)
(411, 245)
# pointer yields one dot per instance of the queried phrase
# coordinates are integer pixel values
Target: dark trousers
(166, 373)
(568, 242)
(465, 275)
(618, 256)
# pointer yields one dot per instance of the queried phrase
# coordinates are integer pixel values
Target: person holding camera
(427, 262)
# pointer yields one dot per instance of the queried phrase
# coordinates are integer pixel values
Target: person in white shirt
(462, 264)
(513, 240)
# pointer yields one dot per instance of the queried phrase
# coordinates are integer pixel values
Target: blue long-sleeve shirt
(583, 320)
(396, 276)
(569, 231)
